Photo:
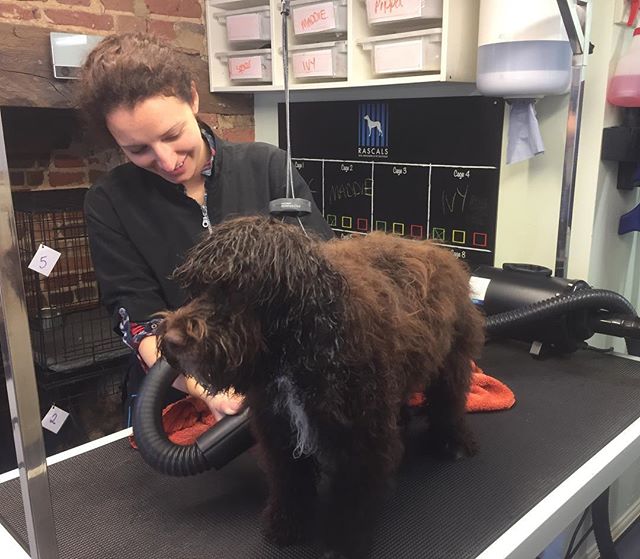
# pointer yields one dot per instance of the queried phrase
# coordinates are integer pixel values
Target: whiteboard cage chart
(437, 201)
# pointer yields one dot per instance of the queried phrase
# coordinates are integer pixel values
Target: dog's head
(267, 263)
(214, 341)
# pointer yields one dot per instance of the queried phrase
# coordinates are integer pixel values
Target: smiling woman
(145, 215)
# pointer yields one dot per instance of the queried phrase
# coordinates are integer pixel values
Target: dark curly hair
(128, 68)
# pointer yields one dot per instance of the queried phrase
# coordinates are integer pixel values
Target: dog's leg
(289, 513)
(357, 487)
(446, 397)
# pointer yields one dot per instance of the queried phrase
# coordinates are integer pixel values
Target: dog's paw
(284, 529)
(453, 448)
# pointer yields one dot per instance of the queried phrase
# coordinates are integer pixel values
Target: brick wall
(180, 22)
(46, 149)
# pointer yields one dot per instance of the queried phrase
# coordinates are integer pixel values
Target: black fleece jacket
(141, 226)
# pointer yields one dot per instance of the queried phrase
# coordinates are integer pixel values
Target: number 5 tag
(44, 260)
(54, 419)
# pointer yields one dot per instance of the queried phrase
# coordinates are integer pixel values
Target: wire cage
(70, 331)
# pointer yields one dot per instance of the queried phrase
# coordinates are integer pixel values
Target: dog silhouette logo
(373, 125)
(373, 129)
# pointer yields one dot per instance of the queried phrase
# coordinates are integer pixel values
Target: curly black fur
(327, 341)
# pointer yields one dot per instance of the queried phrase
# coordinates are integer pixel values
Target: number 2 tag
(54, 419)
(44, 260)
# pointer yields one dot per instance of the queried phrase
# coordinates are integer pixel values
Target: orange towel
(485, 394)
(185, 420)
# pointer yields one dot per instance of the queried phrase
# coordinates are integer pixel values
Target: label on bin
(314, 63)
(44, 260)
(55, 419)
(243, 27)
(245, 67)
(386, 10)
(314, 17)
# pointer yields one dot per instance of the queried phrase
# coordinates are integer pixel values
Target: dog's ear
(262, 260)
(179, 336)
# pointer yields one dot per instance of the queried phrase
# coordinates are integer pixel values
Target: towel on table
(185, 420)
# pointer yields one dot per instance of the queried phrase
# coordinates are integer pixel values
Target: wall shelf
(459, 27)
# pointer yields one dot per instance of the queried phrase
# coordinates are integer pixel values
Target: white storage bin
(404, 53)
(387, 11)
(319, 17)
(250, 27)
(320, 60)
(248, 66)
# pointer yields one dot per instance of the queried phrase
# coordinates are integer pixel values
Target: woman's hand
(220, 404)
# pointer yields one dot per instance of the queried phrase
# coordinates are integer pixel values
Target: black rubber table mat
(109, 504)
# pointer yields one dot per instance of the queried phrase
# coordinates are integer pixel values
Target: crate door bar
(15, 342)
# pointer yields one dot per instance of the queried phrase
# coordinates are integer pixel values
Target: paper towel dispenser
(69, 51)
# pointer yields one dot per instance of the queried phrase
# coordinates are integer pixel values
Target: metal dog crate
(70, 330)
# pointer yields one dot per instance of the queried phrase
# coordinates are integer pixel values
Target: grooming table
(574, 429)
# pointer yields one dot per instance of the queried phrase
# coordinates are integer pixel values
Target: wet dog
(327, 340)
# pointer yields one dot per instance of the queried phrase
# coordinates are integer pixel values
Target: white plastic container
(523, 49)
(248, 66)
(388, 11)
(624, 87)
(405, 53)
(319, 17)
(320, 61)
(250, 27)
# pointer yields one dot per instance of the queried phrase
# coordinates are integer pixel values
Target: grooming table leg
(602, 526)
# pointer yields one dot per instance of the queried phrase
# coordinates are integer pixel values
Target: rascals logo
(373, 130)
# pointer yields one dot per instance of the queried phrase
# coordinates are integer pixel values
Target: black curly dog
(327, 340)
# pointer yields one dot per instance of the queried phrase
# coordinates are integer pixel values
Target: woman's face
(161, 134)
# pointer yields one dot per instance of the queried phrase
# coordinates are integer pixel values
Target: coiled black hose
(156, 449)
(584, 299)
(231, 436)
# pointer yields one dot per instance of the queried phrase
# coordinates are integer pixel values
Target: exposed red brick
(80, 19)
(61, 298)
(61, 178)
(9, 10)
(88, 293)
(190, 36)
(118, 5)
(94, 175)
(75, 2)
(20, 162)
(60, 281)
(238, 134)
(63, 161)
(210, 119)
(127, 24)
(162, 29)
(178, 8)
(35, 178)
(88, 277)
(16, 178)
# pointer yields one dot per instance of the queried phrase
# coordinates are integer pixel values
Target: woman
(145, 215)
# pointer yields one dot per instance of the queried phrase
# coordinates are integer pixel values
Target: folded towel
(185, 420)
(485, 393)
